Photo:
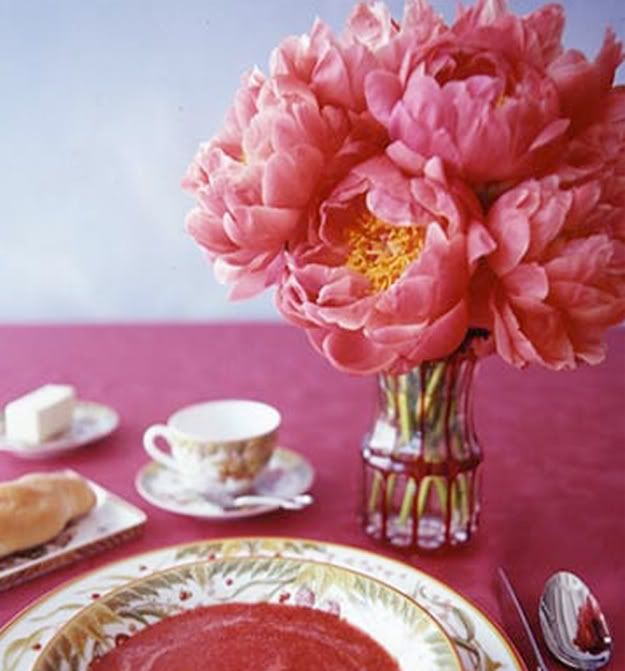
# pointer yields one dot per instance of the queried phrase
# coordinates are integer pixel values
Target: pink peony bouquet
(409, 185)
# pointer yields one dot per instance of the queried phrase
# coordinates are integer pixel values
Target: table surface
(554, 443)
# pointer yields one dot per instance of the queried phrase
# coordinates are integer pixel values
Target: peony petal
(443, 336)
(208, 232)
(383, 90)
(479, 242)
(510, 342)
(511, 231)
(353, 353)
(290, 178)
(411, 300)
(583, 85)
(527, 281)
(549, 134)
(351, 317)
(588, 304)
(342, 288)
(247, 285)
(400, 336)
(261, 227)
(405, 158)
(588, 344)
(370, 24)
(543, 30)
(331, 80)
(548, 334)
(581, 260)
(421, 22)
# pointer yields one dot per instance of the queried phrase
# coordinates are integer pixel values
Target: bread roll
(36, 507)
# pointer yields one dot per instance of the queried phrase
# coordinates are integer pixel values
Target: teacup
(220, 446)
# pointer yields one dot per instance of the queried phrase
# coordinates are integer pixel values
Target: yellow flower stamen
(381, 251)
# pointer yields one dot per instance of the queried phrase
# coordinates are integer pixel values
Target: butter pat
(40, 414)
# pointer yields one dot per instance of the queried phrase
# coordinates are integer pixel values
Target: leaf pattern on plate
(458, 624)
(397, 622)
(479, 643)
(15, 651)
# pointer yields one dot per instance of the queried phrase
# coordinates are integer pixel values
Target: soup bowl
(397, 623)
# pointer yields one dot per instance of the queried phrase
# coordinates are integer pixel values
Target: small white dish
(287, 474)
(91, 422)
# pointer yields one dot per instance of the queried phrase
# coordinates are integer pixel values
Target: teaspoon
(296, 502)
(285, 502)
(573, 625)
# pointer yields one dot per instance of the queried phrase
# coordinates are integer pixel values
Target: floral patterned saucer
(481, 644)
(287, 474)
(91, 422)
(404, 629)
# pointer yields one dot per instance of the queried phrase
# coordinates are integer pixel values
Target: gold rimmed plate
(406, 631)
(481, 644)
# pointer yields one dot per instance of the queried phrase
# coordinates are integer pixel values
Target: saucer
(287, 474)
(91, 421)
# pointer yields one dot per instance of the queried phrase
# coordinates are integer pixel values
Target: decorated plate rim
(491, 622)
(131, 584)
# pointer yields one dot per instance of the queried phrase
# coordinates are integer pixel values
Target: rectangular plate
(111, 522)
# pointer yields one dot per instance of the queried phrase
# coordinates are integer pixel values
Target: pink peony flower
(231, 223)
(384, 286)
(230, 139)
(287, 141)
(408, 183)
(556, 289)
(493, 95)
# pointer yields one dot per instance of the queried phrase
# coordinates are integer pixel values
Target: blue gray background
(102, 105)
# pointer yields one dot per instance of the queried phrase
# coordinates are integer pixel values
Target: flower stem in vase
(421, 457)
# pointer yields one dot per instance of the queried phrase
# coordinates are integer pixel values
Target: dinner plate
(287, 474)
(111, 521)
(404, 629)
(91, 421)
(481, 644)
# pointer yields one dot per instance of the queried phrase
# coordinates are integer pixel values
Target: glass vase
(421, 458)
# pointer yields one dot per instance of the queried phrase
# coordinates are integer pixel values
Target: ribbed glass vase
(421, 458)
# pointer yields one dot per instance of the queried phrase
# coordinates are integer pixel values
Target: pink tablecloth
(554, 494)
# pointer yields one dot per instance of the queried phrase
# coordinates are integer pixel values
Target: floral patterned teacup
(217, 446)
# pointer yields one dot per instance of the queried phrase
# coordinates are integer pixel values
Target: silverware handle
(290, 503)
(539, 661)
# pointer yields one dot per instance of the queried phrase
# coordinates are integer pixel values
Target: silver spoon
(225, 502)
(573, 625)
(286, 502)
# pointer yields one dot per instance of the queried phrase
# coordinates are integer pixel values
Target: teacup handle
(150, 446)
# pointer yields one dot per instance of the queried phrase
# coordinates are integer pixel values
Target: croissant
(36, 507)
